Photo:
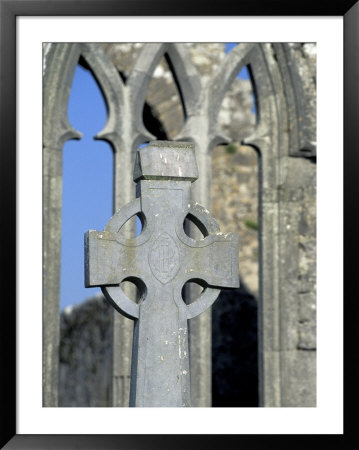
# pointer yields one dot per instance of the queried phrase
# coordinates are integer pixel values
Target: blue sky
(87, 183)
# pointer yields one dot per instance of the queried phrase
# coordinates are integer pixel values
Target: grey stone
(85, 354)
(160, 261)
(284, 84)
(166, 160)
(59, 66)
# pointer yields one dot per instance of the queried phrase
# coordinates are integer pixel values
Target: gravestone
(159, 262)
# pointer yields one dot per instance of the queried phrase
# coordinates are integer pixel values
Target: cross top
(160, 261)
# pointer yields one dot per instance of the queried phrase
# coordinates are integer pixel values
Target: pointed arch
(187, 78)
(62, 59)
(138, 82)
(112, 88)
(225, 75)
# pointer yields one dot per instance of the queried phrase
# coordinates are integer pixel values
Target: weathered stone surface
(299, 370)
(160, 261)
(234, 194)
(57, 130)
(85, 359)
(85, 354)
(166, 160)
(302, 58)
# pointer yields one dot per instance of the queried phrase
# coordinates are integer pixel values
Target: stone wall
(85, 359)
(86, 329)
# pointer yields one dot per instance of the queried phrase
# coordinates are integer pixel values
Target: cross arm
(107, 261)
(214, 260)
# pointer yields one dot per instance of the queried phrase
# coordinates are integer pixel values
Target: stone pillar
(59, 62)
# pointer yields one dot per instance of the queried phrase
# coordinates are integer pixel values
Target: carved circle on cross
(207, 225)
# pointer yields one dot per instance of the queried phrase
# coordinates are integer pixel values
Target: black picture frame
(9, 10)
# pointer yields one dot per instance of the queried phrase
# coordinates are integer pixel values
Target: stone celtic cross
(159, 262)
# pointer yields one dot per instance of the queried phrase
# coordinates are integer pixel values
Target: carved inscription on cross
(160, 261)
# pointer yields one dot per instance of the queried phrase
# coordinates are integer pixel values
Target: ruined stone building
(256, 153)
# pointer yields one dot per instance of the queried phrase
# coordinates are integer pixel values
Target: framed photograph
(25, 27)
